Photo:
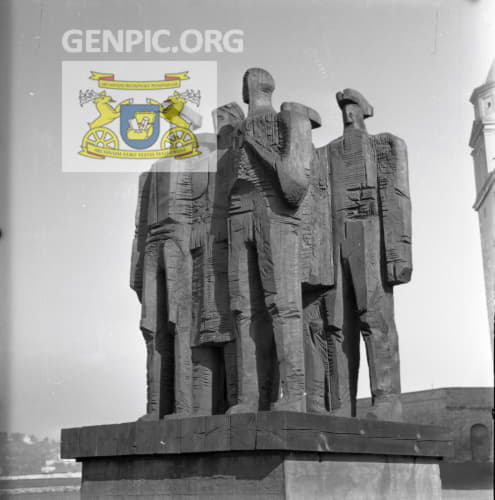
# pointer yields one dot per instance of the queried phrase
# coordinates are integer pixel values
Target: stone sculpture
(212, 335)
(316, 279)
(161, 275)
(169, 254)
(372, 253)
(258, 276)
(264, 248)
(259, 263)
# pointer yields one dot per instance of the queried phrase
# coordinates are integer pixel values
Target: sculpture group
(258, 277)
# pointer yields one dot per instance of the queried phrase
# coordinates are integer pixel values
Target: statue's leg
(179, 298)
(316, 355)
(266, 357)
(277, 243)
(242, 265)
(159, 356)
(376, 309)
(153, 374)
(214, 378)
(340, 307)
(351, 334)
(204, 360)
(230, 361)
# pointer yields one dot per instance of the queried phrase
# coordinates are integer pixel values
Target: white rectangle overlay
(124, 116)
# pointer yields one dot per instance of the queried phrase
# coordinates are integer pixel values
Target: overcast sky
(72, 352)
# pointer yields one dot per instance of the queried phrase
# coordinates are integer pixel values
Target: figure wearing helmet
(372, 253)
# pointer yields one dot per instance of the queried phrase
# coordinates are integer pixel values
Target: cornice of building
(485, 190)
(475, 132)
(479, 90)
(478, 127)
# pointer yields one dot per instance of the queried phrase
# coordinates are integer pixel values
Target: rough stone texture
(212, 332)
(372, 253)
(256, 431)
(179, 272)
(262, 475)
(161, 272)
(271, 181)
(265, 455)
(258, 277)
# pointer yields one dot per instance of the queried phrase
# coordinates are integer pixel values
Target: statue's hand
(295, 122)
(398, 272)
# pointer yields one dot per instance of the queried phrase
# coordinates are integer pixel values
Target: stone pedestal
(272, 455)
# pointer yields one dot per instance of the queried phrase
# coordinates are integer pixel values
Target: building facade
(466, 411)
(482, 142)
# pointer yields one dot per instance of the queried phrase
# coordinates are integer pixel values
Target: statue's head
(257, 81)
(355, 108)
(227, 119)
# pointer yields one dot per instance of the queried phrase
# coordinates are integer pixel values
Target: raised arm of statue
(282, 140)
(141, 228)
(395, 206)
(295, 122)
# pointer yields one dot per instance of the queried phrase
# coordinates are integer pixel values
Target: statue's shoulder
(334, 146)
(144, 176)
(388, 139)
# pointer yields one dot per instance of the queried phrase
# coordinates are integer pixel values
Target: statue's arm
(290, 151)
(296, 152)
(395, 206)
(140, 233)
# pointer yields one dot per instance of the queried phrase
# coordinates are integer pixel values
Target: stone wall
(457, 408)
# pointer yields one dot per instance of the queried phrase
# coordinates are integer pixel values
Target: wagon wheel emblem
(100, 137)
(178, 137)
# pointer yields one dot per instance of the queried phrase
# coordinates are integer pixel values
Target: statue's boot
(388, 408)
(289, 341)
(149, 417)
(242, 408)
(290, 352)
(290, 404)
(343, 411)
(247, 376)
(153, 377)
(383, 363)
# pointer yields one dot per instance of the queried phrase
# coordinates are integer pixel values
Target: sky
(72, 353)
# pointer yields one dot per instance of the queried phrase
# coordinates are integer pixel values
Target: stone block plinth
(272, 455)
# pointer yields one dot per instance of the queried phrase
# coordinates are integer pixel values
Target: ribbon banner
(99, 152)
(170, 81)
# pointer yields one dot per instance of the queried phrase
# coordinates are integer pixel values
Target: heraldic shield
(140, 124)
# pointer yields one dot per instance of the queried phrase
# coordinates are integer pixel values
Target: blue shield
(139, 124)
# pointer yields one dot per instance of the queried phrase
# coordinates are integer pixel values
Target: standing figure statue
(161, 270)
(372, 253)
(316, 279)
(213, 337)
(264, 251)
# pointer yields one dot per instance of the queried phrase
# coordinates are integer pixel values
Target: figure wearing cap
(371, 218)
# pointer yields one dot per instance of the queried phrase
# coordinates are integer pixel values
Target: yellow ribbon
(106, 81)
(97, 151)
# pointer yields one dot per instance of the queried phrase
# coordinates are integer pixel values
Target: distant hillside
(26, 454)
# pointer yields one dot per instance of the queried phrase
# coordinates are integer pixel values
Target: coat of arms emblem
(139, 126)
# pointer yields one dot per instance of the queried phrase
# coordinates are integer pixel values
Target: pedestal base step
(267, 455)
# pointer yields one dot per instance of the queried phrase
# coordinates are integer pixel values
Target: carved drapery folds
(259, 277)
